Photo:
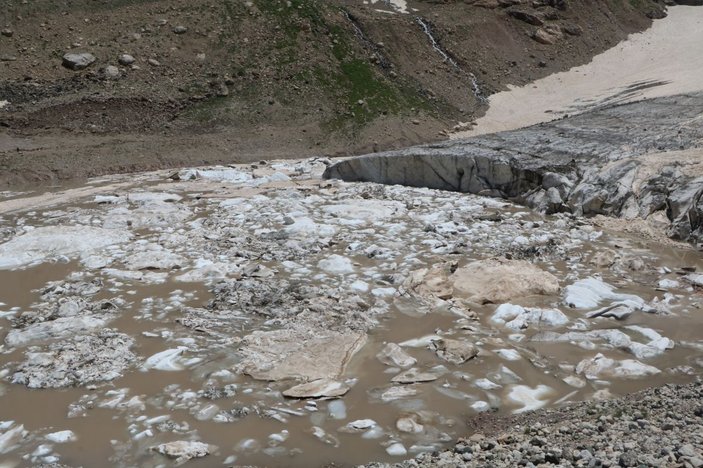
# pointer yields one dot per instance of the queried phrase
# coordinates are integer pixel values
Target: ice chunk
(43, 243)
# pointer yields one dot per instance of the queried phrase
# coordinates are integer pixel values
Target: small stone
(112, 72)
(543, 37)
(628, 459)
(125, 59)
(180, 29)
(154, 62)
(7, 32)
(78, 61)
(687, 451)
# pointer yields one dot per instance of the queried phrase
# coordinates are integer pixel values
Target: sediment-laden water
(260, 315)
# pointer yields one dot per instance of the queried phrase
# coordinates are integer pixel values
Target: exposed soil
(261, 79)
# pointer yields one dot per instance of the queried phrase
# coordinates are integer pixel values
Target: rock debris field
(258, 314)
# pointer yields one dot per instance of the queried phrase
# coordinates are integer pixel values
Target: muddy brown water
(107, 435)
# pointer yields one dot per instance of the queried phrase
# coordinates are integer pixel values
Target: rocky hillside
(250, 78)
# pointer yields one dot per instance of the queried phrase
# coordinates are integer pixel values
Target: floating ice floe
(588, 293)
(396, 393)
(204, 270)
(393, 355)
(150, 277)
(530, 398)
(518, 318)
(695, 279)
(183, 450)
(396, 450)
(11, 437)
(323, 436)
(168, 360)
(54, 329)
(486, 384)
(154, 257)
(61, 437)
(317, 389)
(308, 227)
(668, 284)
(336, 264)
(615, 338)
(362, 211)
(223, 174)
(146, 198)
(508, 354)
(600, 366)
(41, 244)
(409, 425)
(415, 375)
(337, 409)
(360, 425)
(422, 342)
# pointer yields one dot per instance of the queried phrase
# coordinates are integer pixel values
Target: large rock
(454, 351)
(78, 61)
(298, 353)
(593, 163)
(500, 280)
(432, 281)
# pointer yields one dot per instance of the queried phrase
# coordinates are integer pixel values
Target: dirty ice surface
(255, 314)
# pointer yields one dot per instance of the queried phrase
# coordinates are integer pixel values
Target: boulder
(500, 280)
(298, 353)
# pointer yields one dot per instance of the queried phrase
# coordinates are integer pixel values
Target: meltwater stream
(259, 315)
(427, 29)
